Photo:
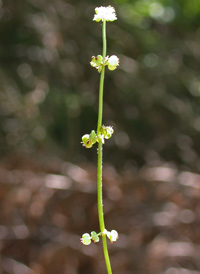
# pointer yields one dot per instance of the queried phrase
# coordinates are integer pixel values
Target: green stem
(100, 158)
(101, 84)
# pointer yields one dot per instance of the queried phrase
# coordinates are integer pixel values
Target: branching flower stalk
(102, 14)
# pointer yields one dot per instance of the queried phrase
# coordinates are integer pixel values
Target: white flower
(113, 235)
(113, 62)
(105, 13)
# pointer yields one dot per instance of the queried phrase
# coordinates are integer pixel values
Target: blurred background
(49, 99)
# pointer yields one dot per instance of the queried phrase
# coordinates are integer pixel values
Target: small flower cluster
(105, 13)
(105, 132)
(88, 238)
(98, 62)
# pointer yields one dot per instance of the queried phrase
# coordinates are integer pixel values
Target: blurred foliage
(49, 92)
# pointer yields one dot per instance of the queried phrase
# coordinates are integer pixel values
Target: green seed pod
(86, 239)
(95, 237)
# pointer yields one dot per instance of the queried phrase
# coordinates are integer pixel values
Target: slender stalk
(101, 84)
(100, 158)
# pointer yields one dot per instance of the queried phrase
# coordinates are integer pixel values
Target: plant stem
(100, 158)
(101, 84)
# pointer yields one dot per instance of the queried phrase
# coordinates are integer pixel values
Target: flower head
(105, 13)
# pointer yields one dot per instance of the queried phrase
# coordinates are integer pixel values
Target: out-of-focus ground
(47, 204)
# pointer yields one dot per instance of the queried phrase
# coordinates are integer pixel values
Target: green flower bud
(113, 236)
(95, 237)
(86, 239)
(113, 62)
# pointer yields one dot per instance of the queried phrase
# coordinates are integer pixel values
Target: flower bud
(95, 237)
(86, 239)
(113, 62)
